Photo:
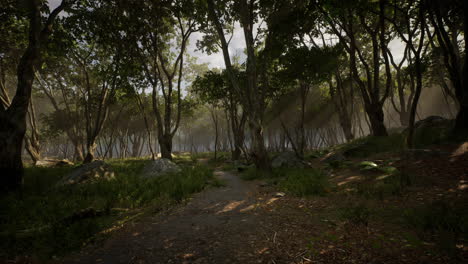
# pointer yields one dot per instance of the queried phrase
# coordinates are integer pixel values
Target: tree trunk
(33, 149)
(259, 152)
(165, 144)
(376, 118)
(90, 149)
(11, 145)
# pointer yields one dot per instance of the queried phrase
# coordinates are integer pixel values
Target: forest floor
(251, 222)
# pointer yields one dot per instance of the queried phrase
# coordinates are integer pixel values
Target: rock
(88, 172)
(423, 153)
(46, 163)
(333, 157)
(279, 194)
(287, 160)
(243, 167)
(263, 184)
(432, 122)
(156, 168)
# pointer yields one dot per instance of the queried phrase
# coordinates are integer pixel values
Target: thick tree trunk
(165, 144)
(461, 121)
(11, 145)
(376, 118)
(13, 123)
(259, 152)
(90, 149)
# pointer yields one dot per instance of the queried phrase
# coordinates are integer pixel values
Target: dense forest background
(82, 80)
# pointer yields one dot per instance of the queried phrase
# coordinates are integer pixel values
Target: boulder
(287, 160)
(334, 157)
(424, 153)
(432, 122)
(53, 163)
(156, 168)
(88, 172)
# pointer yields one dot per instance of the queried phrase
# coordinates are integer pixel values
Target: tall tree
(13, 118)
(216, 89)
(449, 19)
(365, 37)
(160, 32)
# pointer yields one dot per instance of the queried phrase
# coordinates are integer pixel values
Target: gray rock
(432, 122)
(88, 172)
(333, 157)
(53, 163)
(156, 168)
(287, 160)
(423, 153)
(279, 194)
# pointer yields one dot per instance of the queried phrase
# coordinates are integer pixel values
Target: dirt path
(219, 225)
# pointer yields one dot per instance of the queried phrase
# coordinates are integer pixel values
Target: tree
(255, 95)
(367, 28)
(160, 32)
(216, 89)
(449, 18)
(13, 117)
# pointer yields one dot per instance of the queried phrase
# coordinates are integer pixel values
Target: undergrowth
(36, 221)
(297, 181)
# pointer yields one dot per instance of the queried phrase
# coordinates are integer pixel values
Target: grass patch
(299, 182)
(358, 214)
(252, 173)
(366, 146)
(384, 185)
(33, 224)
(445, 221)
(303, 182)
